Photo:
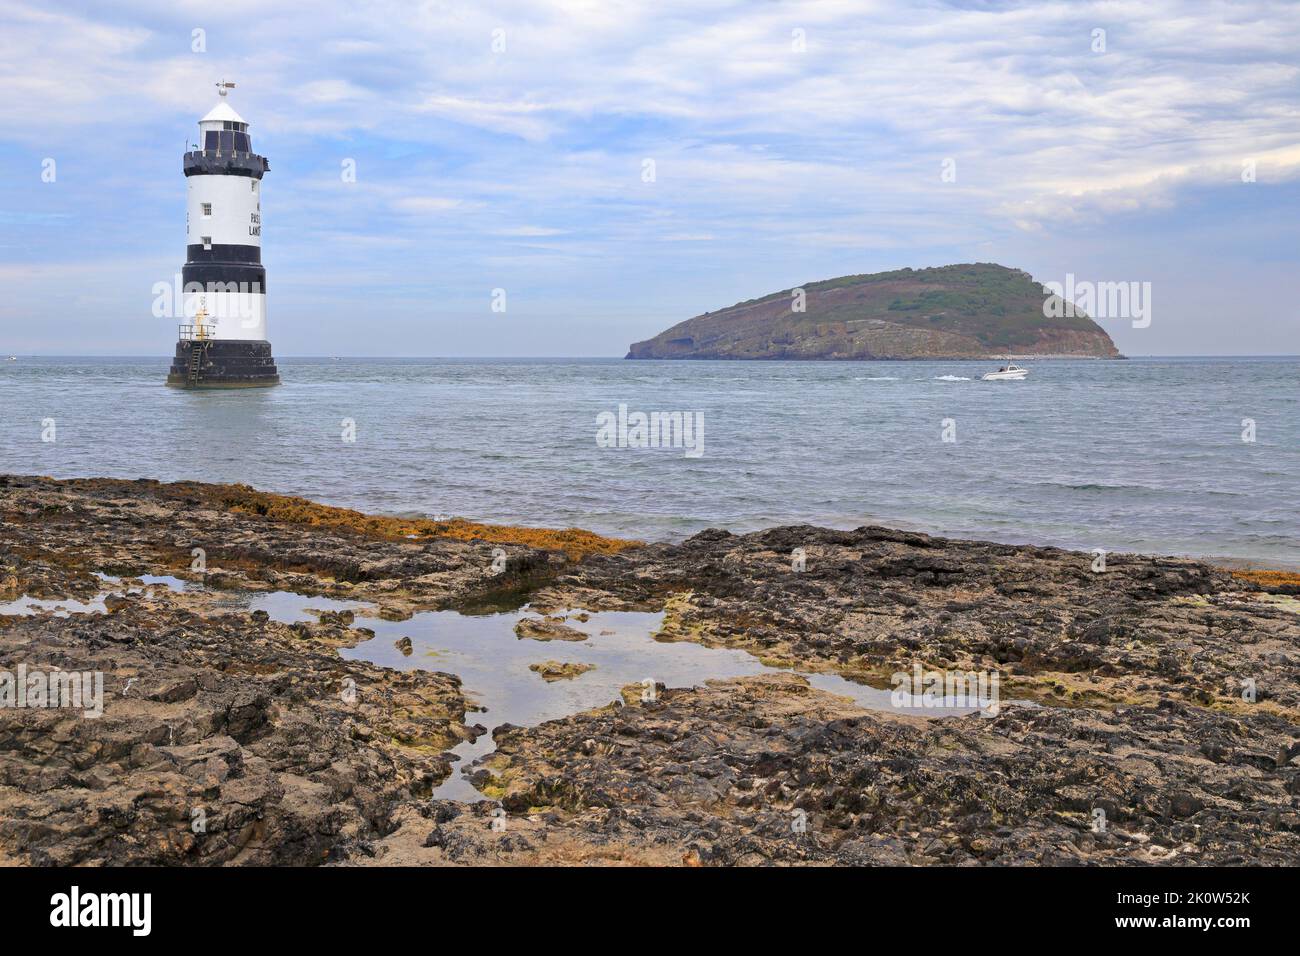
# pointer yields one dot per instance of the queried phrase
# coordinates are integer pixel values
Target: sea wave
(1093, 486)
(952, 378)
(1145, 489)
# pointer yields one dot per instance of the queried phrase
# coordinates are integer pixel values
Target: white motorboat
(1010, 372)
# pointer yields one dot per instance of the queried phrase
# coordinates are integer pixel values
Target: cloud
(530, 231)
(427, 204)
(810, 135)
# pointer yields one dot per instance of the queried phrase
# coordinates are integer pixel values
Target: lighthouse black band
(223, 253)
(223, 363)
(253, 278)
(209, 162)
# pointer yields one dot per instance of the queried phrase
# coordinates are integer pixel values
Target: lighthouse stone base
(223, 363)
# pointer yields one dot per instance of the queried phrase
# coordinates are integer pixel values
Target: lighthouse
(222, 341)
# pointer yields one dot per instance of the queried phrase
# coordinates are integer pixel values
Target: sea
(1180, 456)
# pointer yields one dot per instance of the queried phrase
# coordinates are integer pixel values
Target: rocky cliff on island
(1149, 714)
(969, 311)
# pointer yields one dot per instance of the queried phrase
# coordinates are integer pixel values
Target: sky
(617, 167)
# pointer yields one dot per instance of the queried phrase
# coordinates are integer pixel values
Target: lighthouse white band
(226, 210)
(228, 314)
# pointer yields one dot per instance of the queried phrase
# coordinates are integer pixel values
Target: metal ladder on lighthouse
(198, 348)
(196, 362)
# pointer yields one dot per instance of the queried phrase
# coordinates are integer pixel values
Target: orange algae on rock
(574, 542)
(1270, 579)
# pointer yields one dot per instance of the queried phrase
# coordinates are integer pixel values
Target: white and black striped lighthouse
(222, 342)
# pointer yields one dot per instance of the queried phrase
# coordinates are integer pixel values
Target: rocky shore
(1150, 715)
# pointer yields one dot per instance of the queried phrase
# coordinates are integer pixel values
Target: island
(970, 311)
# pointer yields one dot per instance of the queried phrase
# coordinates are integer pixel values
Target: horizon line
(163, 358)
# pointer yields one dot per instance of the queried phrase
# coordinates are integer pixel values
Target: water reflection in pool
(493, 663)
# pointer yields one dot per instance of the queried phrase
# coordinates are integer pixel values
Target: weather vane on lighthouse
(223, 341)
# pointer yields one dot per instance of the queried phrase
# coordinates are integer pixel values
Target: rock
(645, 692)
(299, 756)
(547, 629)
(551, 671)
(404, 645)
(232, 714)
(703, 748)
(1185, 805)
(175, 690)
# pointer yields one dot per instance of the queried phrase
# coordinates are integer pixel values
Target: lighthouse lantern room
(222, 342)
